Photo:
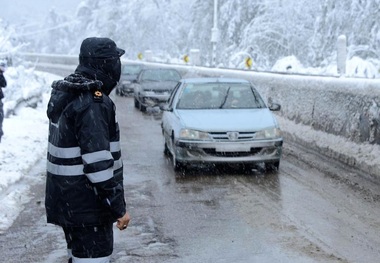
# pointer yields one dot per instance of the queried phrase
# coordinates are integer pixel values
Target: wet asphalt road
(307, 212)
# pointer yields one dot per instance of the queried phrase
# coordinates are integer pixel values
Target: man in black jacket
(84, 184)
(3, 84)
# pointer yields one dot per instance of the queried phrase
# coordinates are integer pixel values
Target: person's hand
(122, 222)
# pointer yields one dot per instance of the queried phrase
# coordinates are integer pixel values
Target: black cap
(99, 48)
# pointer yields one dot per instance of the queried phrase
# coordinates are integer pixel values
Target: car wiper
(259, 106)
(225, 98)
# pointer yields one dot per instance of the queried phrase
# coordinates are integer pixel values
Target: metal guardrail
(340, 106)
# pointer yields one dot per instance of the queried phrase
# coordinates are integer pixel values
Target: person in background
(84, 182)
(3, 84)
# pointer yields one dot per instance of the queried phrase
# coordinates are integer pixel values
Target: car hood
(227, 119)
(158, 85)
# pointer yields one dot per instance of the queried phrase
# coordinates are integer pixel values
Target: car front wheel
(142, 107)
(137, 104)
(272, 166)
(178, 165)
(166, 150)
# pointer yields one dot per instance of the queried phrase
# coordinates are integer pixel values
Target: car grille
(212, 152)
(233, 136)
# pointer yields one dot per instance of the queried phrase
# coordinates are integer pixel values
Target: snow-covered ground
(26, 129)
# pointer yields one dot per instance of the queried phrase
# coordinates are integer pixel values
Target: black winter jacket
(3, 84)
(84, 184)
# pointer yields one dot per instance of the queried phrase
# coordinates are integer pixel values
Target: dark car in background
(154, 86)
(129, 73)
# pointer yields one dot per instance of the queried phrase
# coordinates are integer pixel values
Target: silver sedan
(220, 120)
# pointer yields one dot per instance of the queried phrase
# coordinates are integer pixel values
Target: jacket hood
(75, 83)
(66, 90)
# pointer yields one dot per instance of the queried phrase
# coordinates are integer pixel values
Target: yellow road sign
(186, 58)
(140, 56)
(248, 62)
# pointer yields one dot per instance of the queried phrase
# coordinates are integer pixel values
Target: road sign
(248, 62)
(186, 58)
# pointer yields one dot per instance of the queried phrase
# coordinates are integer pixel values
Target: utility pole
(214, 34)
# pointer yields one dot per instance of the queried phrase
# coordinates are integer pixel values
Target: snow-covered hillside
(267, 31)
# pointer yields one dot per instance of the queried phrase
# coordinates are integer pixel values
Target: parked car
(153, 86)
(129, 73)
(220, 120)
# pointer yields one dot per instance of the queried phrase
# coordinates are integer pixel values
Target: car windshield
(219, 96)
(131, 69)
(160, 75)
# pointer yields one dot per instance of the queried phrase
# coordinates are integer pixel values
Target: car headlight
(189, 134)
(272, 133)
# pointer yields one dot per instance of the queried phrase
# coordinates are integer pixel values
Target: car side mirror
(165, 107)
(274, 107)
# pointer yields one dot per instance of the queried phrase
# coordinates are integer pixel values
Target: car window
(131, 69)
(173, 94)
(220, 96)
(160, 75)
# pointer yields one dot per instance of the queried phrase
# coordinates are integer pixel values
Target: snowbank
(25, 138)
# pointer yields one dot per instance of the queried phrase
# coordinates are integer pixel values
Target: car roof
(213, 80)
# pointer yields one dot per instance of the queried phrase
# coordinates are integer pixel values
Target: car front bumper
(154, 100)
(229, 152)
(126, 87)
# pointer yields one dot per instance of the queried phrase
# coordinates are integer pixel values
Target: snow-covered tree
(266, 30)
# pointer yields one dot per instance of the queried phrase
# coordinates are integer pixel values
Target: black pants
(90, 242)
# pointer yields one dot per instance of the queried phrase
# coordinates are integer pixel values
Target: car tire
(137, 104)
(166, 150)
(142, 107)
(272, 166)
(178, 165)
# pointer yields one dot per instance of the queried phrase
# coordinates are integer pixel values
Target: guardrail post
(148, 55)
(195, 58)
(341, 55)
